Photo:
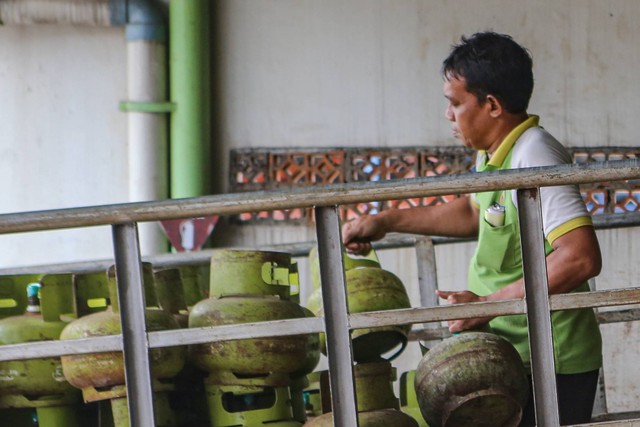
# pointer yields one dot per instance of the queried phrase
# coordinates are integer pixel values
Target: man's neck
(505, 125)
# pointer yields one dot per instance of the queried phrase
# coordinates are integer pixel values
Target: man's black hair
(493, 64)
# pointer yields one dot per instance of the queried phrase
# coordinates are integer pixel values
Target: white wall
(63, 140)
(364, 73)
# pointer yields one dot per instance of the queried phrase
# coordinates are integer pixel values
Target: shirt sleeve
(563, 208)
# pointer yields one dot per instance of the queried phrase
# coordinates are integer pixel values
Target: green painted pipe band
(147, 107)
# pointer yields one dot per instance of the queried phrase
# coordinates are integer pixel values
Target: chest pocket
(499, 247)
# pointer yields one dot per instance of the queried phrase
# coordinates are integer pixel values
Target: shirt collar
(507, 143)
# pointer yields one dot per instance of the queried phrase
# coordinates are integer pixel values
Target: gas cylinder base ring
(376, 418)
(273, 379)
(370, 345)
(92, 394)
(497, 406)
(22, 401)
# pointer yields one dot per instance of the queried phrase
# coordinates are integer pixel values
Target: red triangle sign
(189, 234)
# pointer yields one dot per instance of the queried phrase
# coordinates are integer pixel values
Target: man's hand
(460, 297)
(458, 218)
(358, 234)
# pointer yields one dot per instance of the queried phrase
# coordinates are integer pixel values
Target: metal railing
(135, 341)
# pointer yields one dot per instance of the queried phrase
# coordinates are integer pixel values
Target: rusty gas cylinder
(379, 418)
(245, 287)
(369, 288)
(24, 382)
(472, 379)
(100, 374)
(409, 399)
(377, 405)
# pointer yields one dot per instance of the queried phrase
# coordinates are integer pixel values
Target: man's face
(470, 120)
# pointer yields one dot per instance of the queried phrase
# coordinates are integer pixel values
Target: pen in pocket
(494, 215)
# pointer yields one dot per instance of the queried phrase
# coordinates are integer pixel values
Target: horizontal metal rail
(299, 249)
(39, 349)
(407, 316)
(617, 316)
(604, 317)
(168, 338)
(622, 423)
(614, 297)
(265, 329)
(329, 195)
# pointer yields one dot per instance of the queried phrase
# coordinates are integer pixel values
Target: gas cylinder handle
(273, 274)
(360, 261)
(398, 351)
(294, 278)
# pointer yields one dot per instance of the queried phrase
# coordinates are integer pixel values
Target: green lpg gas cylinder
(472, 379)
(195, 283)
(170, 294)
(369, 288)
(99, 374)
(24, 382)
(252, 286)
(299, 380)
(188, 398)
(162, 410)
(245, 405)
(379, 418)
(13, 293)
(376, 403)
(409, 398)
(311, 395)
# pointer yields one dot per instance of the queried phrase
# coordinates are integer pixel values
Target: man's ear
(495, 106)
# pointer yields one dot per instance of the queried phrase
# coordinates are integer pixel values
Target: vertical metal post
(336, 317)
(134, 330)
(427, 273)
(427, 279)
(536, 289)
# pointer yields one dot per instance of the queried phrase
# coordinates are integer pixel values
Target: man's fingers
(358, 248)
(455, 326)
(443, 294)
(350, 238)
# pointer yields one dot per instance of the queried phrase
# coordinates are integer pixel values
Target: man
(488, 81)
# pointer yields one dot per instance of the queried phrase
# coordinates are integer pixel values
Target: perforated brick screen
(279, 168)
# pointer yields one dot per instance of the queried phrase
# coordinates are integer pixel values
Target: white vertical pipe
(148, 134)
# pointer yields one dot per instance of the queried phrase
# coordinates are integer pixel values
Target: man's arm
(458, 218)
(575, 259)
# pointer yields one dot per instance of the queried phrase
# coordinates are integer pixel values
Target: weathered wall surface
(363, 73)
(63, 141)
